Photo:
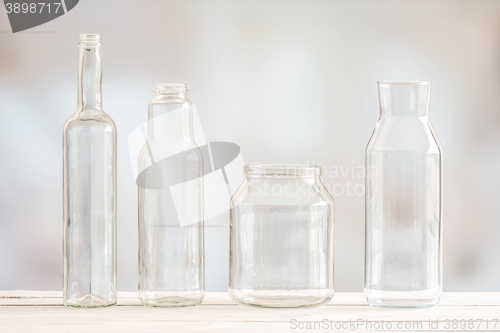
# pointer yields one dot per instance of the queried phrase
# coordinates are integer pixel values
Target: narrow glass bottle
(404, 201)
(89, 190)
(170, 181)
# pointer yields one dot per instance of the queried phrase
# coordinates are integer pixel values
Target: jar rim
(169, 88)
(282, 170)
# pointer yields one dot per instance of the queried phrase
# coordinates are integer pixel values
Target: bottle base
(400, 299)
(88, 301)
(170, 299)
(281, 298)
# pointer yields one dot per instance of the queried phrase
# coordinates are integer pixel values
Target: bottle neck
(404, 99)
(170, 114)
(89, 78)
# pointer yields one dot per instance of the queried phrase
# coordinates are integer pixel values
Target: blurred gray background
(289, 81)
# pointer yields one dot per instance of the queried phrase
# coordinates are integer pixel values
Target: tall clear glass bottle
(89, 190)
(170, 181)
(404, 201)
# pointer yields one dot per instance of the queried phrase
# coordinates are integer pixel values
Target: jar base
(170, 299)
(282, 298)
(88, 301)
(401, 299)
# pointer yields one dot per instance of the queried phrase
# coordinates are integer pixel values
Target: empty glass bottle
(404, 201)
(281, 238)
(89, 190)
(170, 181)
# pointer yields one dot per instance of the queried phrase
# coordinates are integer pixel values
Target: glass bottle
(281, 238)
(89, 190)
(404, 201)
(170, 181)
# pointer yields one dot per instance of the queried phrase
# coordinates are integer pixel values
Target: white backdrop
(289, 81)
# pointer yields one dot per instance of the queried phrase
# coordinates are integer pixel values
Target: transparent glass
(281, 238)
(89, 190)
(170, 181)
(404, 201)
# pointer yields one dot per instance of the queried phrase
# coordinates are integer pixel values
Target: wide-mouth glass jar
(281, 243)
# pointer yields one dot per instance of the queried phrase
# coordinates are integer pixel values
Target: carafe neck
(404, 98)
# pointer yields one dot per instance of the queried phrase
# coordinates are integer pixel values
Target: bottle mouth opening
(282, 170)
(169, 88)
(415, 83)
(90, 40)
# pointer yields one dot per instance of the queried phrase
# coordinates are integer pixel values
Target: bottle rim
(421, 83)
(90, 40)
(282, 170)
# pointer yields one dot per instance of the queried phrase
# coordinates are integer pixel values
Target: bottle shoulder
(177, 150)
(90, 120)
(404, 134)
(169, 146)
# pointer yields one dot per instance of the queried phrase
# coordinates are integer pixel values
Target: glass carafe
(89, 190)
(170, 181)
(281, 238)
(404, 201)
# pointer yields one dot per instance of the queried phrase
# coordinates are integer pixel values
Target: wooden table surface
(42, 311)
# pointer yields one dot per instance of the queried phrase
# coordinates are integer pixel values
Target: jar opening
(282, 170)
(169, 88)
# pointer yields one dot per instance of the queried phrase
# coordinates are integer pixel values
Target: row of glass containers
(281, 217)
